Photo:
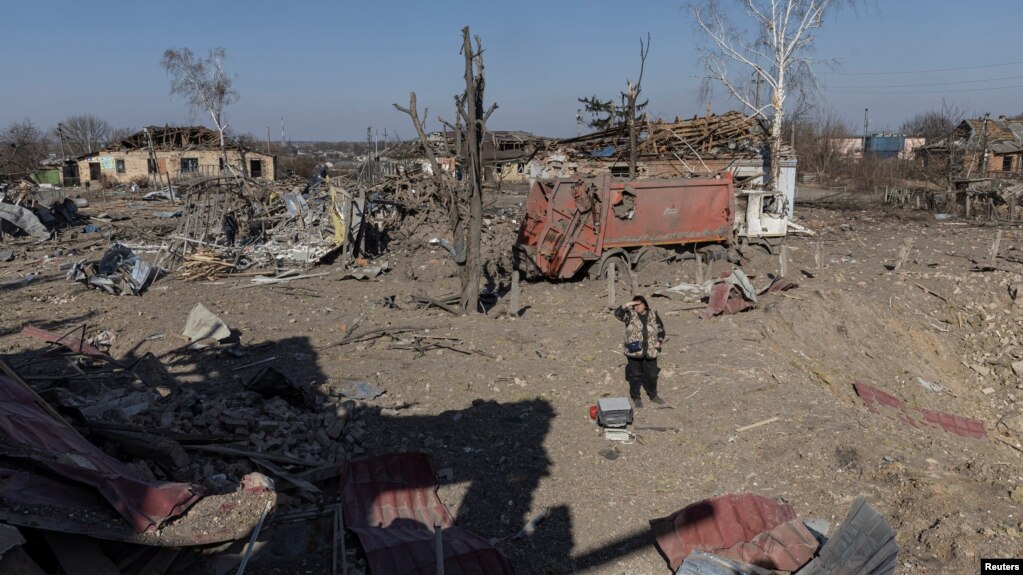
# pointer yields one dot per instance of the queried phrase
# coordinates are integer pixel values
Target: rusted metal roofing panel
(725, 298)
(380, 491)
(962, 426)
(31, 433)
(872, 395)
(397, 551)
(745, 527)
(31, 499)
(71, 342)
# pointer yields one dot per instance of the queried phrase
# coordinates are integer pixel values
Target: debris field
(311, 410)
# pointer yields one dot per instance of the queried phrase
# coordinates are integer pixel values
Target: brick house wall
(121, 167)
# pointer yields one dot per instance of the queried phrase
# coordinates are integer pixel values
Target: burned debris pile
(126, 458)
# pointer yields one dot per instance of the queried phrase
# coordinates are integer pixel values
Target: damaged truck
(573, 224)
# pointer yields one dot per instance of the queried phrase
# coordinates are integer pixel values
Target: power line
(935, 83)
(988, 88)
(924, 71)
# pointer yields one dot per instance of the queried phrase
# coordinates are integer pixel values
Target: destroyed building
(711, 143)
(731, 142)
(156, 154)
(506, 155)
(978, 148)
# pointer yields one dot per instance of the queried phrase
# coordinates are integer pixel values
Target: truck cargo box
(569, 223)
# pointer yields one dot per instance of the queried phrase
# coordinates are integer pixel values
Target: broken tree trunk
(472, 113)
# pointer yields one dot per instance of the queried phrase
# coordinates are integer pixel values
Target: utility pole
(369, 155)
(268, 140)
(578, 121)
(866, 126)
(983, 149)
(60, 132)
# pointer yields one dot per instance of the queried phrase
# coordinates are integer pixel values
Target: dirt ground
(503, 410)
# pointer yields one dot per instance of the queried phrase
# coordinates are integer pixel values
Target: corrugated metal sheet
(31, 499)
(745, 527)
(1005, 147)
(864, 545)
(71, 342)
(413, 552)
(962, 426)
(391, 504)
(26, 428)
(379, 491)
(700, 563)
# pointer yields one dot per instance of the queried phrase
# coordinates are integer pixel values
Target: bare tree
(935, 124)
(631, 96)
(945, 154)
(203, 83)
(819, 145)
(463, 199)
(628, 113)
(22, 147)
(118, 134)
(83, 134)
(771, 41)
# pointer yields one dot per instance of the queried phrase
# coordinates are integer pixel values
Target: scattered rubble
(119, 272)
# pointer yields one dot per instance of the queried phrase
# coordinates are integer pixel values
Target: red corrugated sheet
(30, 499)
(391, 503)
(962, 426)
(727, 298)
(58, 447)
(413, 552)
(380, 491)
(71, 342)
(745, 527)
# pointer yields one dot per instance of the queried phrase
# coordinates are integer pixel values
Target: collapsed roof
(171, 138)
(1001, 136)
(733, 134)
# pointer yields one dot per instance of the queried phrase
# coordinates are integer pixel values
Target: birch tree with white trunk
(204, 84)
(762, 42)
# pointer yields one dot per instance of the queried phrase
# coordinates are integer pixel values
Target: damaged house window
(151, 165)
(619, 171)
(1007, 164)
(119, 166)
(189, 165)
